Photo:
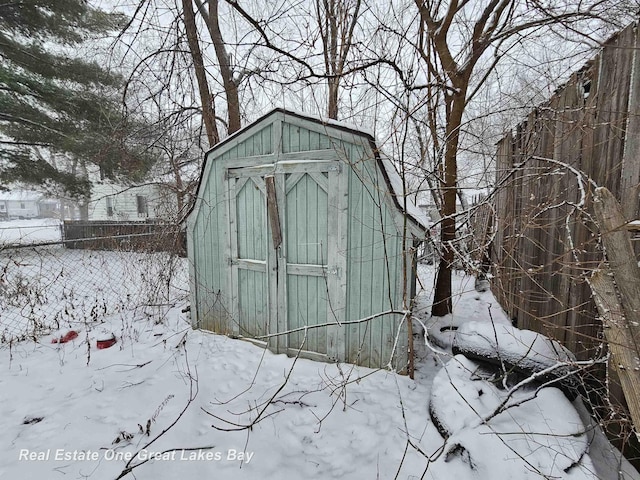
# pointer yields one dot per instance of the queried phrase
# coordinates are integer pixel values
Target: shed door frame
(247, 264)
(329, 177)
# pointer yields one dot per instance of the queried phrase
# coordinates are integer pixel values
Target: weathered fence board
(591, 124)
(622, 319)
(133, 236)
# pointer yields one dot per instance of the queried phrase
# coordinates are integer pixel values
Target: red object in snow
(67, 337)
(106, 343)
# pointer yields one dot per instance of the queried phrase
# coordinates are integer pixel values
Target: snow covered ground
(170, 402)
(21, 232)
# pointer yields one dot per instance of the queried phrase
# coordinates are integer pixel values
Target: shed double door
(281, 276)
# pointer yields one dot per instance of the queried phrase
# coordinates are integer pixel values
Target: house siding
(124, 204)
(20, 204)
(15, 208)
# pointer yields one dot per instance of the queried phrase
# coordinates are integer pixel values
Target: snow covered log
(541, 428)
(524, 351)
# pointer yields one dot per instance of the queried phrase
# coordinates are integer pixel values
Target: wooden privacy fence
(548, 239)
(546, 242)
(133, 236)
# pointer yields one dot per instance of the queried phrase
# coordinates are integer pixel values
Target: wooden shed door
(249, 251)
(280, 287)
(306, 251)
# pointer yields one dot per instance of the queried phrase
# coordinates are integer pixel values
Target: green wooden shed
(300, 222)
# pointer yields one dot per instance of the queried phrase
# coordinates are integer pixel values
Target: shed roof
(389, 170)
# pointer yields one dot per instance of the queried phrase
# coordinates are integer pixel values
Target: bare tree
(440, 54)
(208, 105)
(229, 81)
(460, 43)
(177, 55)
(337, 20)
(173, 85)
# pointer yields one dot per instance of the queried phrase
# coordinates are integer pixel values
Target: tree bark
(332, 110)
(208, 110)
(621, 257)
(79, 170)
(226, 70)
(622, 347)
(442, 304)
(336, 31)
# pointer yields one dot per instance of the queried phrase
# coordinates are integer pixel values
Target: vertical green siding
(253, 296)
(252, 222)
(306, 243)
(210, 239)
(374, 266)
(299, 139)
(209, 263)
(307, 305)
(253, 303)
(306, 223)
(260, 143)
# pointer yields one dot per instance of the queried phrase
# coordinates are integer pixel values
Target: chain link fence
(46, 286)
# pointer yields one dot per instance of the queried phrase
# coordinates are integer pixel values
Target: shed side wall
(375, 270)
(208, 263)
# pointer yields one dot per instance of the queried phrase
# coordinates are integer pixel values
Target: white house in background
(110, 201)
(19, 204)
(25, 204)
(473, 196)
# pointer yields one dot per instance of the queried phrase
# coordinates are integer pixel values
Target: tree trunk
(334, 85)
(208, 111)
(179, 186)
(333, 82)
(442, 304)
(337, 20)
(226, 71)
